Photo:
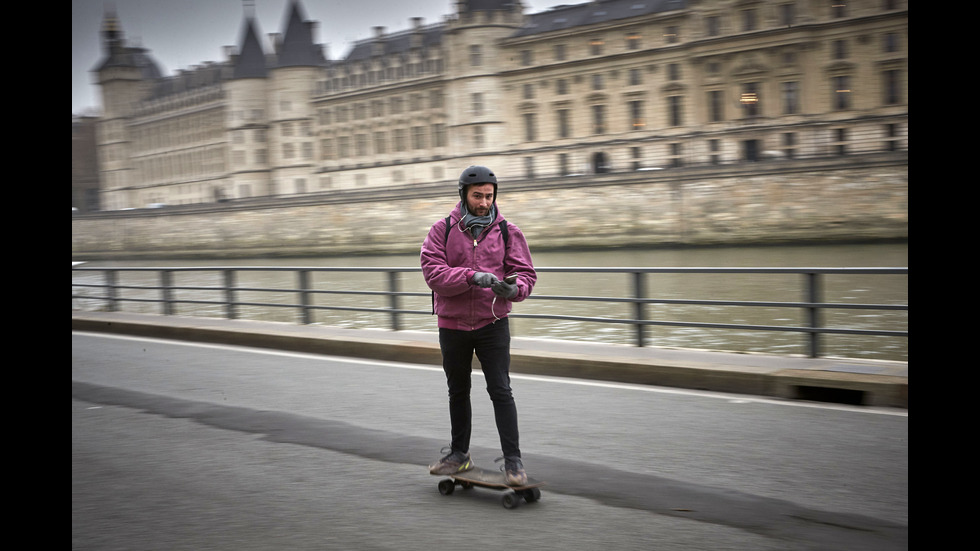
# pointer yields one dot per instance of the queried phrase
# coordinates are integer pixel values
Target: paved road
(193, 446)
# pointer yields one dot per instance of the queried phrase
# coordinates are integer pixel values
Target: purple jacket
(448, 265)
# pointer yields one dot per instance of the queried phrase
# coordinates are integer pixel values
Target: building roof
(590, 13)
(116, 53)
(297, 48)
(488, 5)
(395, 43)
(251, 60)
(210, 74)
(555, 19)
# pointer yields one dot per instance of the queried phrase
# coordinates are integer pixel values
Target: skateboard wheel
(532, 495)
(511, 500)
(446, 487)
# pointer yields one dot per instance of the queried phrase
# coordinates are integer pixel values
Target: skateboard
(494, 480)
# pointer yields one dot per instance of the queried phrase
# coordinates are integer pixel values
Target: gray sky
(182, 33)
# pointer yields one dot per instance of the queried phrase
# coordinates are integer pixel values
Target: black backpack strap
(505, 234)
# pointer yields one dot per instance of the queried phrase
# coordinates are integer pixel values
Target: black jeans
(492, 347)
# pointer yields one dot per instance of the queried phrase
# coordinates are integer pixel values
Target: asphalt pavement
(857, 382)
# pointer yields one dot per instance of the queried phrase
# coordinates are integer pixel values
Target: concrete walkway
(869, 383)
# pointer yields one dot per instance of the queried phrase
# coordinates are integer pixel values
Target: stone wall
(858, 204)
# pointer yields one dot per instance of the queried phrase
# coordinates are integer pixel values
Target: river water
(851, 288)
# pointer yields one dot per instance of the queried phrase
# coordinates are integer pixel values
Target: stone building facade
(607, 86)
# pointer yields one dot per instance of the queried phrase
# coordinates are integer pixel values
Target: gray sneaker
(514, 471)
(455, 462)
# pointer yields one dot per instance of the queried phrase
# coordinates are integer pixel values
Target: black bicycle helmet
(477, 175)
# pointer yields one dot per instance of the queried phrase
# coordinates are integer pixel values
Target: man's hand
(504, 289)
(483, 279)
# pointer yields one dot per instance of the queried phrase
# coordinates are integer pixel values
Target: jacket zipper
(483, 235)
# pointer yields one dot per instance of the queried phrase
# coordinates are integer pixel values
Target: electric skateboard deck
(494, 480)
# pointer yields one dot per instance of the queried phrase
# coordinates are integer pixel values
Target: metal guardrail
(227, 296)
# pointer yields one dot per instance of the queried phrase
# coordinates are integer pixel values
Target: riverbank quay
(840, 380)
(862, 198)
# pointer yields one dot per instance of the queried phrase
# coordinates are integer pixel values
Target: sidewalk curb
(788, 378)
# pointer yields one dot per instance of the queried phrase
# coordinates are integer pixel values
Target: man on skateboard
(477, 264)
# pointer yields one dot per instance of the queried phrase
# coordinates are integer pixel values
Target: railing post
(639, 292)
(166, 284)
(231, 295)
(113, 297)
(813, 296)
(304, 297)
(393, 300)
